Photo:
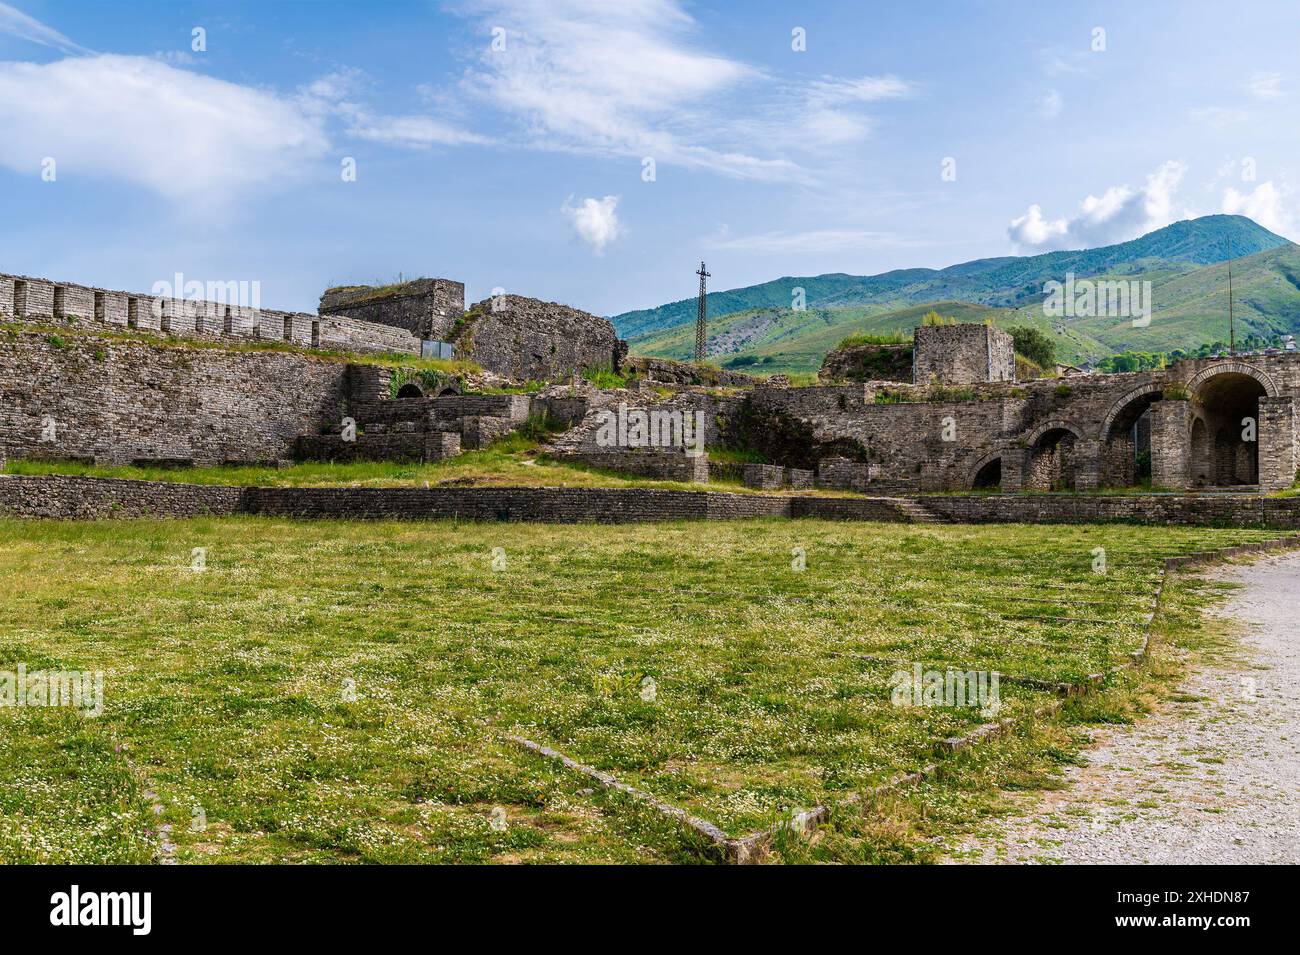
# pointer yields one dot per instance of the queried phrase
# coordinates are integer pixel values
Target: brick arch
(1053, 424)
(989, 458)
(1118, 407)
(1233, 368)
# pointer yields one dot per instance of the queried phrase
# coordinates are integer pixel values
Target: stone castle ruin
(112, 377)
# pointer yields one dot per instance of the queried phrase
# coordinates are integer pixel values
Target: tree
(1034, 345)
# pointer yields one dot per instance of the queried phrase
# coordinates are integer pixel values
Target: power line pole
(701, 315)
(1232, 327)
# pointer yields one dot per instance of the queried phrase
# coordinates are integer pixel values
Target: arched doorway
(989, 476)
(410, 390)
(1052, 462)
(1126, 438)
(1225, 446)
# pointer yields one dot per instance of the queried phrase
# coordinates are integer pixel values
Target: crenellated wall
(40, 300)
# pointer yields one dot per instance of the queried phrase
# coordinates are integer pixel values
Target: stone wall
(660, 465)
(766, 477)
(113, 401)
(667, 371)
(1218, 510)
(528, 339)
(426, 308)
(962, 354)
(39, 300)
(867, 363)
(81, 498)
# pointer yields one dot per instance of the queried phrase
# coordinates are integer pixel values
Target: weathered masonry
(1197, 424)
(44, 301)
(512, 335)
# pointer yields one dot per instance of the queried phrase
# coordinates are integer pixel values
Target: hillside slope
(1006, 281)
(1189, 298)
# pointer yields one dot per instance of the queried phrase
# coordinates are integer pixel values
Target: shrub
(1034, 345)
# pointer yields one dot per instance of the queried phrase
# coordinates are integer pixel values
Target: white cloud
(825, 112)
(595, 221)
(1050, 105)
(1265, 85)
(624, 79)
(1119, 214)
(1266, 204)
(181, 134)
(415, 131)
(337, 94)
(16, 23)
(813, 241)
(1219, 116)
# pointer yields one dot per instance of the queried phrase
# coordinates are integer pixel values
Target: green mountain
(1184, 262)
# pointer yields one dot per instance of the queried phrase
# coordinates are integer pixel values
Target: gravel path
(1211, 778)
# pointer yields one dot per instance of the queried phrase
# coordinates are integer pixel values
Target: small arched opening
(410, 390)
(449, 390)
(1052, 463)
(989, 476)
(1126, 439)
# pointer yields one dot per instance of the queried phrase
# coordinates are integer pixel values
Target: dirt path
(1211, 778)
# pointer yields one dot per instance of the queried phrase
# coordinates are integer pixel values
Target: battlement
(964, 354)
(23, 298)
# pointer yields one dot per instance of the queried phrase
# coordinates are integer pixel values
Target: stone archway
(1125, 437)
(1195, 383)
(1225, 428)
(987, 472)
(410, 390)
(1051, 462)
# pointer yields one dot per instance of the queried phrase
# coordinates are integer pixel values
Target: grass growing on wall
(337, 691)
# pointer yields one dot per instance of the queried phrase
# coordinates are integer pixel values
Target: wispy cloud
(181, 134)
(812, 241)
(339, 95)
(628, 79)
(1117, 215)
(1050, 105)
(1266, 86)
(16, 23)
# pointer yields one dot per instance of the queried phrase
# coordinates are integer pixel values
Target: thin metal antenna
(700, 315)
(1232, 326)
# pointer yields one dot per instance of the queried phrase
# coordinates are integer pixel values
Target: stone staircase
(914, 512)
(418, 429)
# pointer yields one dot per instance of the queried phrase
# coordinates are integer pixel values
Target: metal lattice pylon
(701, 315)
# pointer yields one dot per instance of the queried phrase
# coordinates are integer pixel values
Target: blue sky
(522, 164)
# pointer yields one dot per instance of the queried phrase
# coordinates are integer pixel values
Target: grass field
(339, 692)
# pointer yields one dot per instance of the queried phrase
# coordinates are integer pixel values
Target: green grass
(229, 690)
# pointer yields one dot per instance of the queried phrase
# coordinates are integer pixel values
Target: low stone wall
(767, 477)
(58, 496)
(661, 465)
(886, 509)
(84, 498)
(1238, 510)
(547, 504)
